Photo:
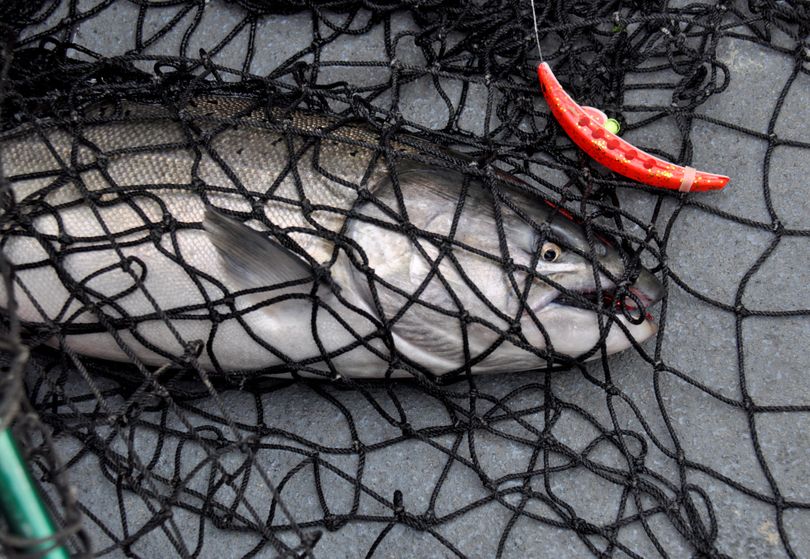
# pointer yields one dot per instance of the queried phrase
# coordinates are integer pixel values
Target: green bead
(612, 125)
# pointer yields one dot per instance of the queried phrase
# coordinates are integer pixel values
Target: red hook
(586, 127)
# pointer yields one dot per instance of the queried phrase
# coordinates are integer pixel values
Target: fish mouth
(631, 301)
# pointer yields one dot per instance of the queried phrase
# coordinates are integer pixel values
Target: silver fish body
(132, 210)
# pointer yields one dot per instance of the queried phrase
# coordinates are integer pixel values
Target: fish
(238, 238)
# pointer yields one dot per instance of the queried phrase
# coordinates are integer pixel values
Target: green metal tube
(20, 503)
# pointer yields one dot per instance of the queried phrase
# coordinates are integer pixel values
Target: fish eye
(550, 252)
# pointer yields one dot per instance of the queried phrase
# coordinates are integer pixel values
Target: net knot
(192, 350)
(72, 174)
(408, 228)
(223, 521)
(673, 506)
(321, 273)
(197, 184)
(488, 484)
(407, 429)
(581, 526)
(333, 523)
(413, 521)
(257, 204)
(127, 262)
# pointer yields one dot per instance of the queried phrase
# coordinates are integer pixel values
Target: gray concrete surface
(709, 253)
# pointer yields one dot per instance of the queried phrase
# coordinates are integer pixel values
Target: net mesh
(186, 458)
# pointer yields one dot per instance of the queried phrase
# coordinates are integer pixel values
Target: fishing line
(536, 32)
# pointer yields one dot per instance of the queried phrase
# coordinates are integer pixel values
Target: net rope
(192, 454)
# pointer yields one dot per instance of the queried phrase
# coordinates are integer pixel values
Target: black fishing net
(691, 444)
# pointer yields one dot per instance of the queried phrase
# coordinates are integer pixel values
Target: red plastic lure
(586, 127)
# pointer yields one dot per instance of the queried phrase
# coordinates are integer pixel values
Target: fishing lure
(592, 131)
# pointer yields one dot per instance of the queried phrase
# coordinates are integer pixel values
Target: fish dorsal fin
(253, 259)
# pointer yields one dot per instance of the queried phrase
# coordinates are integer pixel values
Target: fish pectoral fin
(253, 259)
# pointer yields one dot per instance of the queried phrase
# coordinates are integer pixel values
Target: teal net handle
(21, 505)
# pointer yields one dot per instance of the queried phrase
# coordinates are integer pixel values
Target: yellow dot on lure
(612, 125)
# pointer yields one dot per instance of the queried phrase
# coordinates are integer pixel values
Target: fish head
(459, 267)
(586, 285)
